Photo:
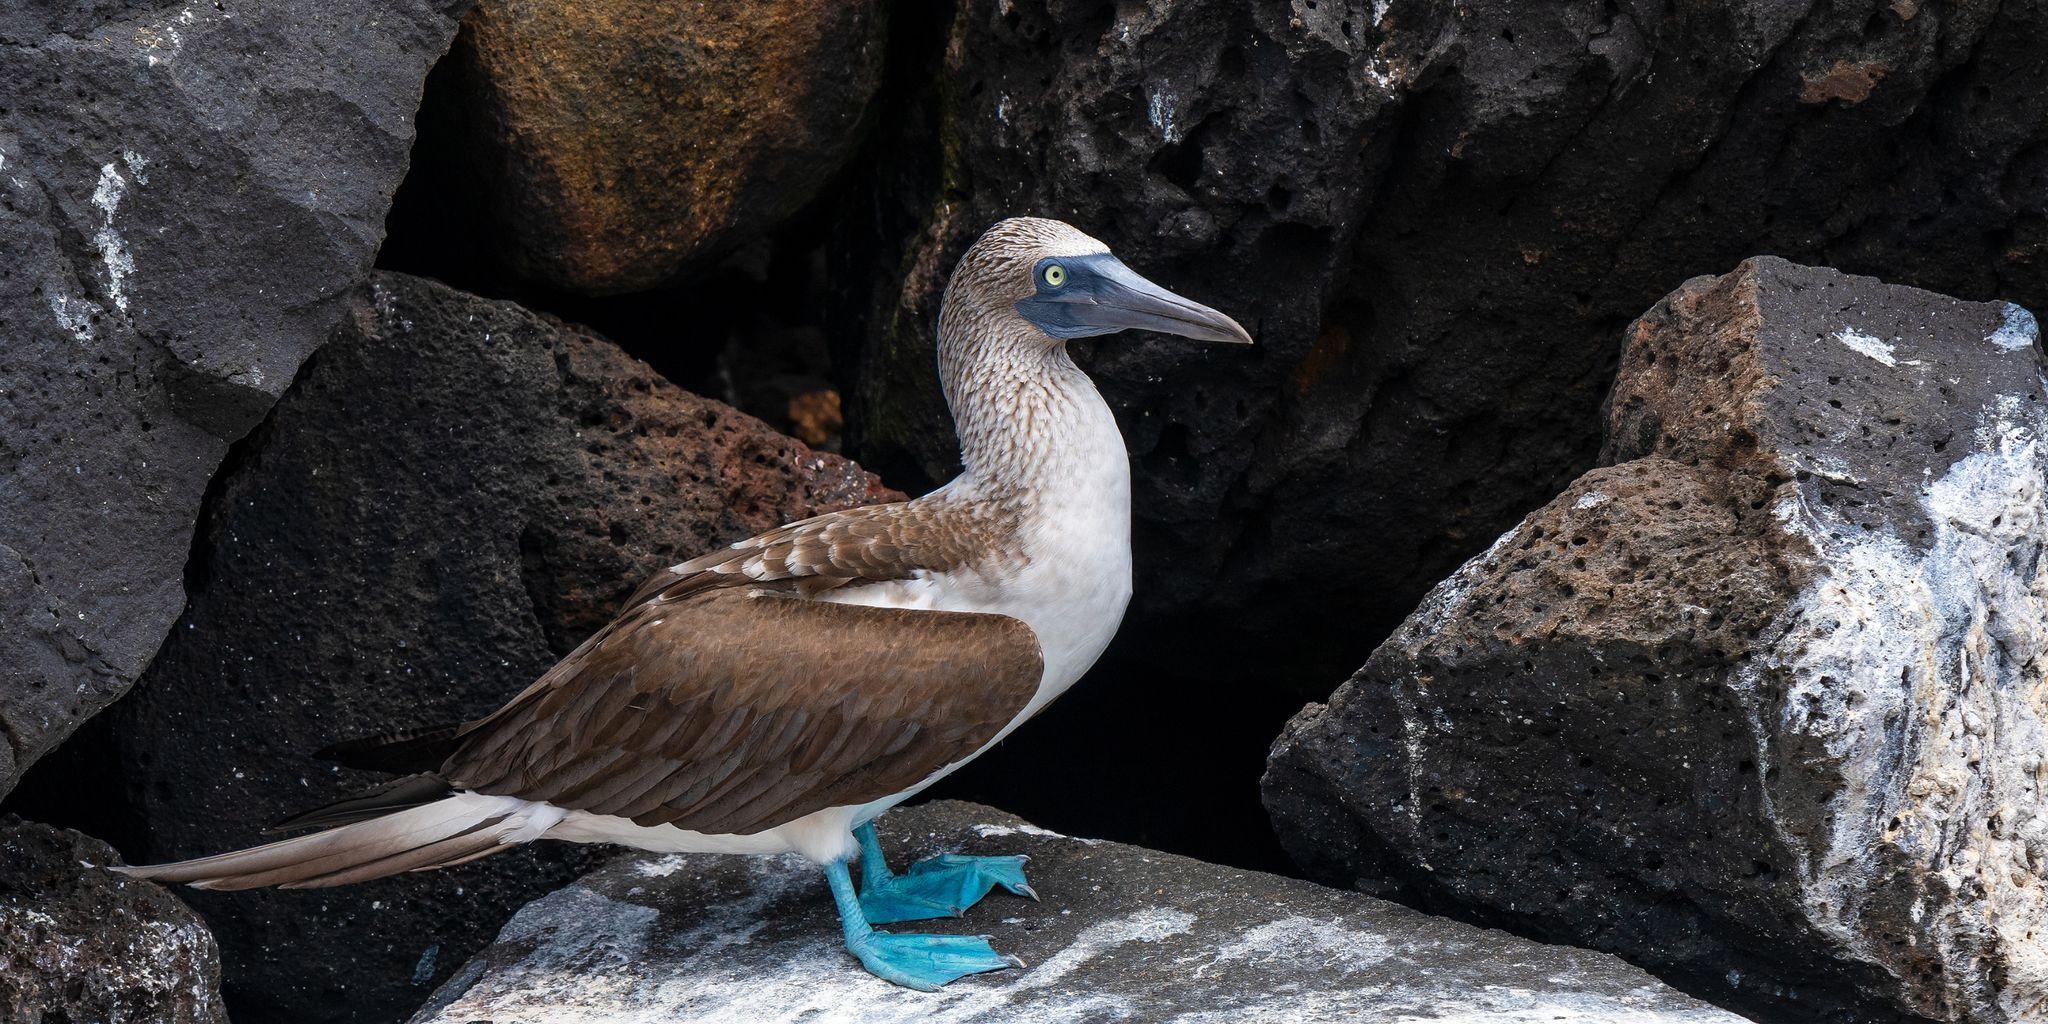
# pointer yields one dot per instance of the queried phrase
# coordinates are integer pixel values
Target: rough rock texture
(82, 945)
(186, 193)
(1123, 933)
(612, 146)
(1759, 703)
(453, 494)
(1436, 218)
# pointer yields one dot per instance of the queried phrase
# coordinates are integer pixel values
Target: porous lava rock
(612, 146)
(1758, 704)
(454, 493)
(79, 943)
(1436, 219)
(1121, 933)
(188, 191)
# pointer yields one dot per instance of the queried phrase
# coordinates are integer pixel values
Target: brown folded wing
(868, 544)
(730, 712)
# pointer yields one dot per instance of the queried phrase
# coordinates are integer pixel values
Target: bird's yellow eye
(1055, 275)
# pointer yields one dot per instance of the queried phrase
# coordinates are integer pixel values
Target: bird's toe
(928, 962)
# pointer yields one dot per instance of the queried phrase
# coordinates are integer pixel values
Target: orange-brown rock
(618, 144)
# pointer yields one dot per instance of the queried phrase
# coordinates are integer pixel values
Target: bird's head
(1066, 285)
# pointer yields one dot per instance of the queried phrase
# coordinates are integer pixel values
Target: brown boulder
(616, 145)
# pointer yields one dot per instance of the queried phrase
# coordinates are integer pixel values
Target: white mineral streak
(1159, 111)
(1870, 346)
(113, 250)
(1444, 602)
(2016, 330)
(1917, 666)
(1022, 829)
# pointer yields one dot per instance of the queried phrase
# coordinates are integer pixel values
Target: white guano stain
(2017, 329)
(73, 314)
(1868, 345)
(1304, 941)
(1159, 111)
(1914, 666)
(991, 831)
(660, 867)
(113, 250)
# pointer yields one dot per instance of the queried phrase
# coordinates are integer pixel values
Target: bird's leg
(941, 886)
(923, 962)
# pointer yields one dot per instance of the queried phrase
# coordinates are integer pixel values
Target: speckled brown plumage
(731, 711)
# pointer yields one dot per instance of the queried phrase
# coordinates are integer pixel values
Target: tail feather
(397, 795)
(408, 750)
(459, 827)
(483, 836)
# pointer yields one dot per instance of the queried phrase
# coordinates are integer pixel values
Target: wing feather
(733, 712)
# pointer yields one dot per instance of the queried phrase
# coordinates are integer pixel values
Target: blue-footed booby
(778, 695)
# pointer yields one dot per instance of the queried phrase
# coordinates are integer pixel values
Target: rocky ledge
(1123, 933)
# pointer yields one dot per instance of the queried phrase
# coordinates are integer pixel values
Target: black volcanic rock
(187, 194)
(1756, 705)
(1436, 218)
(454, 493)
(80, 944)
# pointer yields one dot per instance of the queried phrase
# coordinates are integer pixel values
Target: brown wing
(731, 711)
(867, 544)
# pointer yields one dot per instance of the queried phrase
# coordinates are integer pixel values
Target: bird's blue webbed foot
(924, 962)
(941, 886)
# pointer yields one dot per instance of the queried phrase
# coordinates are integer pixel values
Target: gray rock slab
(1121, 933)
(187, 192)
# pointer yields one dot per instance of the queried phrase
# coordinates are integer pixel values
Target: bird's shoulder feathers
(870, 544)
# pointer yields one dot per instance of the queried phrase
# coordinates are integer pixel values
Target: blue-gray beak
(1083, 296)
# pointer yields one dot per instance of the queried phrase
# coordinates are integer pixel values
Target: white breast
(1075, 581)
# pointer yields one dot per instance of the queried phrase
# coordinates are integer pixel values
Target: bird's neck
(1030, 421)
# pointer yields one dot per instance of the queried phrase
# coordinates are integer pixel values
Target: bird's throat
(1028, 419)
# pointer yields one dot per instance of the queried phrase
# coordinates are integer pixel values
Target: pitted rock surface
(80, 944)
(1436, 218)
(1758, 704)
(188, 192)
(454, 494)
(615, 145)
